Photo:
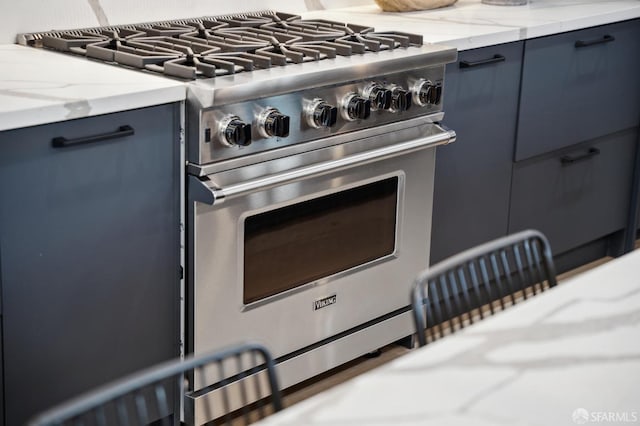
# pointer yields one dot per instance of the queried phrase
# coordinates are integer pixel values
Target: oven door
(297, 250)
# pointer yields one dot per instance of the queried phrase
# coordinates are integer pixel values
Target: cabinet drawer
(578, 86)
(575, 202)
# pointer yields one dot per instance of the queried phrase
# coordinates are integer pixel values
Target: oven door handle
(206, 191)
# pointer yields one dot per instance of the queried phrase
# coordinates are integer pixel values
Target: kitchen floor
(361, 365)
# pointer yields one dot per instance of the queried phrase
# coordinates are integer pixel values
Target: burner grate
(220, 45)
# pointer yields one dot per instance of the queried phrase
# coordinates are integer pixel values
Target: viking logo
(323, 303)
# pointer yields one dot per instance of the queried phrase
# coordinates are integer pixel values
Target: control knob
(321, 114)
(233, 131)
(355, 107)
(272, 123)
(400, 99)
(379, 96)
(426, 92)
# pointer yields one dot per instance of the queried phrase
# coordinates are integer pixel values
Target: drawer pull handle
(470, 64)
(567, 159)
(606, 39)
(62, 142)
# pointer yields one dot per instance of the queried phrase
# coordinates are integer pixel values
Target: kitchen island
(566, 356)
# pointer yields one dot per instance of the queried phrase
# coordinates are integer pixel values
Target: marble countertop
(39, 87)
(469, 24)
(568, 356)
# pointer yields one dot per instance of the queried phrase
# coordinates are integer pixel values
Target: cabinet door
(89, 239)
(575, 195)
(473, 175)
(1, 376)
(578, 86)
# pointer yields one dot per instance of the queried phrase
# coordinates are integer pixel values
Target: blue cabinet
(577, 132)
(575, 195)
(547, 133)
(89, 253)
(578, 86)
(473, 175)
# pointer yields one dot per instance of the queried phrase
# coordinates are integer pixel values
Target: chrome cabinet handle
(567, 159)
(493, 60)
(606, 39)
(62, 142)
(206, 191)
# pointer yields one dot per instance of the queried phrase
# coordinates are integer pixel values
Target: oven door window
(300, 243)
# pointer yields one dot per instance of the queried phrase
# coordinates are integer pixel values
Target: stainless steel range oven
(311, 251)
(310, 191)
(310, 148)
(314, 253)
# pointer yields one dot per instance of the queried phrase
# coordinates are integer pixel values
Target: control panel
(264, 124)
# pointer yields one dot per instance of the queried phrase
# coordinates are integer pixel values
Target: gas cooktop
(208, 47)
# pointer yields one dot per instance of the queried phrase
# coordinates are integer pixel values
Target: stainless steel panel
(217, 237)
(423, 123)
(281, 80)
(205, 146)
(213, 193)
(317, 360)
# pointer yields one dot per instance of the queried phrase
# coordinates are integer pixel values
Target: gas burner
(376, 41)
(166, 30)
(152, 47)
(192, 66)
(228, 42)
(267, 36)
(71, 41)
(220, 45)
(256, 19)
(244, 21)
(307, 30)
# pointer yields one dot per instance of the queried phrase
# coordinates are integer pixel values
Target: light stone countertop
(568, 356)
(469, 24)
(39, 86)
